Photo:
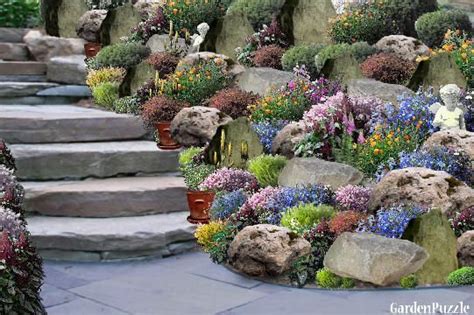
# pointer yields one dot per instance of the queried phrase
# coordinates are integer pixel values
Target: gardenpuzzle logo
(433, 308)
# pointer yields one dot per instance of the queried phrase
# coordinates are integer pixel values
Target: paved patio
(192, 284)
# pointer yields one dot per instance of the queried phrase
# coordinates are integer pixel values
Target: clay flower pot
(91, 49)
(164, 134)
(199, 203)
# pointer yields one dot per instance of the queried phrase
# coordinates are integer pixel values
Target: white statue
(450, 115)
(198, 39)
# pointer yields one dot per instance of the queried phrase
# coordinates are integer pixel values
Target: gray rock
(373, 258)
(305, 171)
(12, 35)
(466, 249)
(404, 47)
(69, 70)
(196, 126)
(103, 198)
(67, 90)
(234, 30)
(262, 80)
(343, 69)
(462, 140)
(95, 159)
(9, 89)
(118, 23)
(206, 56)
(129, 234)
(89, 25)
(306, 12)
(159, 42)
(262, 250)
(44, 47)
(13, 52)
(61, 123)
(286, 140)
(372, 88)
(69, 12)
(433, 189)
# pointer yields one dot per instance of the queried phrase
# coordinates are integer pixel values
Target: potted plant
(158, 112)
(195, 172)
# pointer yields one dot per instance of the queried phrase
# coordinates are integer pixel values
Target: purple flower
(11, 223)
(228, 179)
(355, 198)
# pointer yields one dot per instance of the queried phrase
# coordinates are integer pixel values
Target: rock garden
(322, 143)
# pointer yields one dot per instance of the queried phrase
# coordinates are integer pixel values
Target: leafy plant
(462, 276)
(300, 55)
(362, 50)
(121, 55)
(258, 12)
(328, 280)
(227, 203)
(233, 101)
(268, 56)
(345, 221)
(463, 221)
(303, 217)
(432, 26)
(194, 174)
(19, 13)
(409, 282)
(154, 24)
(11, 191)
(127, 105)
(330, 52)
(6, 158)
(161, 109)
(388, 68)
(105, 94)
(163, 62)
(102, 75)
(267, 168)
(187, 156)
(204, 233)
(220, 244)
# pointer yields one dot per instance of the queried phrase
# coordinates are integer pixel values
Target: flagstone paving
(192, 284)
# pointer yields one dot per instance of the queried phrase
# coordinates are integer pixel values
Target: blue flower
(267, 131)
(225, 204)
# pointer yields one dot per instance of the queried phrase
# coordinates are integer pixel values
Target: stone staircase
(96, 187)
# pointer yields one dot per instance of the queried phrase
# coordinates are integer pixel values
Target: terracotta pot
(164, 134)
(199, 203)
(91, 49)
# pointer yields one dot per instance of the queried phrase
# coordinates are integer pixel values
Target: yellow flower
(377, 151)
(464, 56)
(465, 45)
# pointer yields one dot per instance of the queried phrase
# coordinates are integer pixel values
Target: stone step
(39, 100)
(13, 52)
(20, 89)
(23, 78)
(12, 35)
(66, 123)
(95, 159)
(95, 239)
(102, 198)
(22, 68)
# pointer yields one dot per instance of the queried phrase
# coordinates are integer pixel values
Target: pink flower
(228, 179)
(353, 198)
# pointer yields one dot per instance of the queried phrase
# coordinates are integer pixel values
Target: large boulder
(159, 42)
(344, 69)
(69, 70)
(433, 232)
(455, 139)
(404, 47)
(60, 16)
(44, 47)
(136, 76)
(374, 258)
(466, 249)
(234, 144)
(372, 88)
(262, 80)
(433, 189)
(89, 25)
(233, 30)
(311, 21)
(437, 72)
(118, 23)
(196, 126)
(306, 171)
(266, 250)
(286, 140)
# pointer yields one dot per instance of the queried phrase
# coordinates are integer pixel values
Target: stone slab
(13, 89)
(66, 123)
(67, 90)
(39, 100)
(82, 306)
(68, 69)
(97, 159)
(262, 80)
(22, 68)
(12, 35)
(23, 78)
(110, 234)
(13, 51)
(112, 197)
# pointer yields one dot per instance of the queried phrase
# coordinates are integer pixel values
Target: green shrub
(186, 156)
(122, 55)
(127, 105)
(258, 12)
(305, 216)
(365, 23)
(330, 52)
(362, 50)
(105, 94)
(328, 280)
(462, 276)
(402, 14)
(409, 282)
(195, 174)
(267, 168)
(301, 55)
(19, 13)
(432, 26)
